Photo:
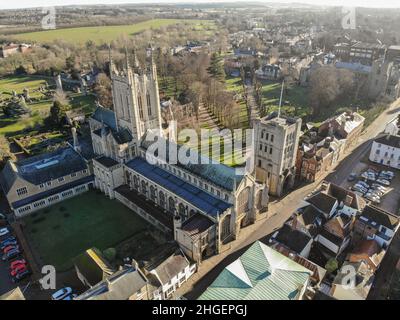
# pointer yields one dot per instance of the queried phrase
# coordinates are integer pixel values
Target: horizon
(27, 4)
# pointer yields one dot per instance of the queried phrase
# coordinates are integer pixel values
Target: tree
(216, 68)
(103, 90)
(324, 89)
(56, 115)
(5, 152)
(16, 107)
(332, 265)
(110, 254)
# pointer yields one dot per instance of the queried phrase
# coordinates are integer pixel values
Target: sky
(43, 3)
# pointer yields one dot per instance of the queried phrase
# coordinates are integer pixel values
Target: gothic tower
(135, 96)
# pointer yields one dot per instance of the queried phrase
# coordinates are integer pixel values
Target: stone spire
(112, 66)
(136, 63)
(127, 59)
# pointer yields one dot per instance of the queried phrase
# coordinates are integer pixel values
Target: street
(279, 211)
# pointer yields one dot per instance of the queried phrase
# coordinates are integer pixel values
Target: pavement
(279, 211)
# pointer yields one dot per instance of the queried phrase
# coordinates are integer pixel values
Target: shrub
(110, 254)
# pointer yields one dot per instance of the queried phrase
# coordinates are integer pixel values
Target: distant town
(213, 151)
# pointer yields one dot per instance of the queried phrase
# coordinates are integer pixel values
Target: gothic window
(122, 107)
(225, 227)
(162, 199)
(140, 107)
(148, 104)
(182, 210)
(144, 188)
(153, 194)
(127, 106)
(136, 182)
(171, 205)
(243, 201)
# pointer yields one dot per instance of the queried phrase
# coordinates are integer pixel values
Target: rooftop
(389, 140)
(44, 167)
(196, 224)
(119, 286)
(261, 273)
(293, 239)
(380, 216)
(204, 167)
(197, 197)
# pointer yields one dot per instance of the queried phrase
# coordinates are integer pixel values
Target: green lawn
(61, 232)
(104, 34)
(295, 101)
(234, 84)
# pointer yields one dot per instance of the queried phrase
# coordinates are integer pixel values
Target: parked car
(16, 263)
(70, 297)
(373, 198)
(4, 231)
(360, 188)
(377, 186)
(9, 238)
(8, 243)
(18, 269)
(10, 254)
(11, 247)
(383, 182)
(363, 183)
(61, 294)
(22, 275)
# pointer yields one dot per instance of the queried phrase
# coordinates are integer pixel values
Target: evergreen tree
(216, 68)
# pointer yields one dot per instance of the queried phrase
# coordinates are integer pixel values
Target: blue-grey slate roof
(106, 116)
(49, 166)
(208, 169)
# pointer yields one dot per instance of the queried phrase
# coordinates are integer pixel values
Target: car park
(61, 294)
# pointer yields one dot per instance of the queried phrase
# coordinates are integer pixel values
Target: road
(280, 211)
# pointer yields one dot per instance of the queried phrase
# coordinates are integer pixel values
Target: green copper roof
(261, 273)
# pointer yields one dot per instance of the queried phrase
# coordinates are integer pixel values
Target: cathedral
(204, 205)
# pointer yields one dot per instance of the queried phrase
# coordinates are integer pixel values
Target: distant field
(104, 34)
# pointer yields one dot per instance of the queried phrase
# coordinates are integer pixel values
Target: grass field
(295, 101)
(235, 85)
(105, 34)
(39, 109)
(63, 231)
